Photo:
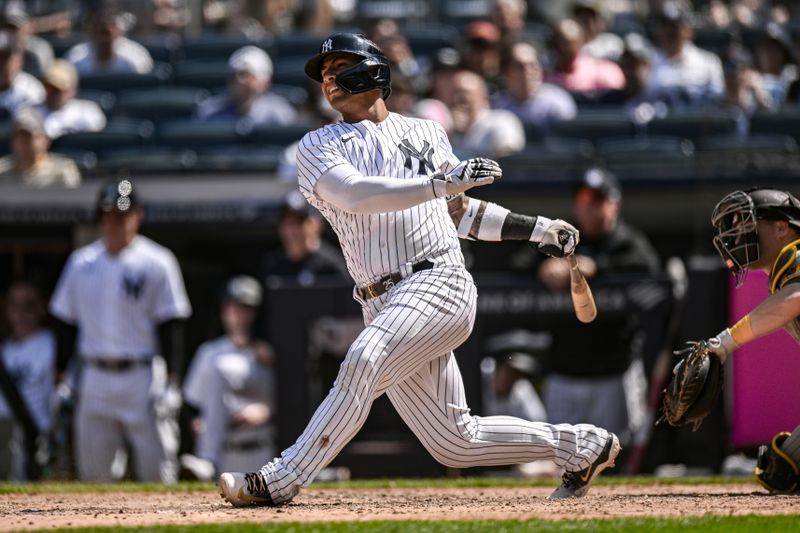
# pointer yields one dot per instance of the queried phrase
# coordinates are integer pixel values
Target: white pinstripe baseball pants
(406, 352)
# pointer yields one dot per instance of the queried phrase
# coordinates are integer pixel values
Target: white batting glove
(556, 238)
(468, 174)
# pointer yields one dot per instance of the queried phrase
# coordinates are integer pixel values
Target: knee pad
(775, 470)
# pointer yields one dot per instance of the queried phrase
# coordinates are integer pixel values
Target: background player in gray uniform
(381, 180)
(125, 295)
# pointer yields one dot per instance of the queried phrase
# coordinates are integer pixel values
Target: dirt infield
(46, 511)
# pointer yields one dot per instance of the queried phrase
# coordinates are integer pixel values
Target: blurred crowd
(113, 83)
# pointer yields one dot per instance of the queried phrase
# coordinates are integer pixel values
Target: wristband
(742, 331)
(542, 223)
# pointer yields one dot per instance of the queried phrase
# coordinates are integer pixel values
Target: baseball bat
(582, 297)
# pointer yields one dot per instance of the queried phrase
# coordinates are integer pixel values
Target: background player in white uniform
(125, 295)
(231, 381)
(380, 179)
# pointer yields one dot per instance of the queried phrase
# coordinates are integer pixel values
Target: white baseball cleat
(244, 490)
(576, 484)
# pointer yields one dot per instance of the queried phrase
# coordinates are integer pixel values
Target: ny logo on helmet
(327, 46)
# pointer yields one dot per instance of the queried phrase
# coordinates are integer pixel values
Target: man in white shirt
(477, 129)
(18, 89)
(108, 50)
(62, 112)
(123, 295)
(681, 73)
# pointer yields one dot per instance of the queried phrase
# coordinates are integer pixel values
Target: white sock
(792, 445)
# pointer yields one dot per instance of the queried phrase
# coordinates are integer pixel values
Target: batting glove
(556, 238)
(468, 174)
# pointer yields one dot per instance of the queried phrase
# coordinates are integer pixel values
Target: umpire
(123, 296)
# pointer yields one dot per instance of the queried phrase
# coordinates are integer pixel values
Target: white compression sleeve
(346, 188)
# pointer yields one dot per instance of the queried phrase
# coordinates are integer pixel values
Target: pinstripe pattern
(406, 349)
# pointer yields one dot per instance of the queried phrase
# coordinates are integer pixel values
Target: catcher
(758, 229)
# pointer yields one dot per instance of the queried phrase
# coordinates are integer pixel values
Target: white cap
(253, 60)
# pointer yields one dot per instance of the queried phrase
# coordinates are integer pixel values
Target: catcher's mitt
(694, 388)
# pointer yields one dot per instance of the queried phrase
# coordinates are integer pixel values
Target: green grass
(711, 524)
(461, 482)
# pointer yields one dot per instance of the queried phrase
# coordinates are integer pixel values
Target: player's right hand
(468, 174)
(559, 239)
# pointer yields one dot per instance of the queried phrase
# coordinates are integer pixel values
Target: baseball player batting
(382, 180)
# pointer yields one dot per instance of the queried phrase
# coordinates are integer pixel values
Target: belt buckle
(371, 292)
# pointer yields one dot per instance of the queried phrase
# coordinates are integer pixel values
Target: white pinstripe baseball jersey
(401, 147)
(117, 301)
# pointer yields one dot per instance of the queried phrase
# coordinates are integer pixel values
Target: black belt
(388, 281)
(118, 365)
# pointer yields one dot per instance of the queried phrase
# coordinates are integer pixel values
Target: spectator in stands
(635, 63)
(403, 95)
(682, 73)
(248, 97)
(231, 383)
(62, 111)
(435, 110)
(304, 255)
(597, 374)
(478, 129)
(108, 49)
(525, 95)
(599, 43)
(29, 357)
(38, 52)
(17, 89)
(509, 17)
(30, 163)
(482, 46)
(403, 63)
(744, 90)
(777, 63)
(446, 62)
(577, 72)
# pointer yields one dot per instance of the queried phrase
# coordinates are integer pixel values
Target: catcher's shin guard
(775, 470)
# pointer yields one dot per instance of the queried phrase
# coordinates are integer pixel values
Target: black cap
(602, 181)
(117, 195)
(778, 34)
(244, 290)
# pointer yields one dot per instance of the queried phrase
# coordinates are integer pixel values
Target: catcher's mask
(735, 217)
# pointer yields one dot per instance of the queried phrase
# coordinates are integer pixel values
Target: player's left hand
(468, 174)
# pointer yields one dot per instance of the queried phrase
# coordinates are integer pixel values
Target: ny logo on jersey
(424, 156)
(327, 46)
(132, 285)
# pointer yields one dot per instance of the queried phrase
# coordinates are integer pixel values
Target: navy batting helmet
(371, 73)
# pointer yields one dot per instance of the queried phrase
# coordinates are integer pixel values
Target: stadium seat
(297, 45)
(426, 40)
(163, 48)
(785, 122)
(552, 160)
(218, 46)
(594, 126)
(394, 9)
(119, 81)
(291, 72)
(86, 160)
(199, 135)
(694, 125)
(117, 134)
(240, 159)
(5, 137)
(714, 40)
(647, 158)
(725, 154)
(209, 75)
(281, 136)
(62, 44)
(534, 132)
(147, 160)
(160, 103)
(297, 96)
(464, 11)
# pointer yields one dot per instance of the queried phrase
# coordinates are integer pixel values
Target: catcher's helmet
(116, 195)
(735, 219)
(371, 73)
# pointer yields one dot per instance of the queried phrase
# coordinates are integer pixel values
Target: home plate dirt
(64, 510)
